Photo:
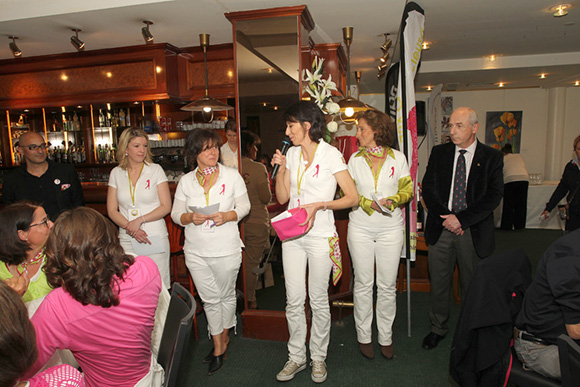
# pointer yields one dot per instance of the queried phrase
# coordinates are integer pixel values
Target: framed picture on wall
(504, 127)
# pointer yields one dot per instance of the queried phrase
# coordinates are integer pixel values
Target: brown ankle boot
(367, 350)
(387, 351)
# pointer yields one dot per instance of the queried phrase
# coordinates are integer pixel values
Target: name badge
(208, 226)
(134, 212)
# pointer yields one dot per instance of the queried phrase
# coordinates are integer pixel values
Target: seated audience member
(551, 307)
(515, 190)
(103, 306)
(55, 185)
(24, 227)
(18, 349)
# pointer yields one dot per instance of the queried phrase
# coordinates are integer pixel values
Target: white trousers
(160, 259)
(311, 252)
(215, 281)
(370, 247)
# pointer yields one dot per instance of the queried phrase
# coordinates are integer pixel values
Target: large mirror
(268, 47)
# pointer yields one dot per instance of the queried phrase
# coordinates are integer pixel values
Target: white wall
(533, 103)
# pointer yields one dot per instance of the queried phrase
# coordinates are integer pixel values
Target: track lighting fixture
(75, 41)
(13, 47)
(147, 35)
(385, 58)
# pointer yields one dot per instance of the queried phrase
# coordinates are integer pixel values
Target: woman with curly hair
(24, 227)
(375, 238)
(103, 306)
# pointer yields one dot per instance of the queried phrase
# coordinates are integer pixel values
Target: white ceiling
(523, 34)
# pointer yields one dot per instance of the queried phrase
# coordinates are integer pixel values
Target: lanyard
(378, 171)
(206, 193)
(131, 188)
(300, 176)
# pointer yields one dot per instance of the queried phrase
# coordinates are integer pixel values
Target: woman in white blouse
(209, 202)
(375, 238)
(138, 199)
(308, 178)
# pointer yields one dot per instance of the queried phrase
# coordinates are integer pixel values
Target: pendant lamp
(206, 104)
(349, 106)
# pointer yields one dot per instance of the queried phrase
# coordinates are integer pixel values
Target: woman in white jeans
(213, 248)
(308, 178)
(375, 238)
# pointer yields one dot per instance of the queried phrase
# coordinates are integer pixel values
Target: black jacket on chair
(481, 346)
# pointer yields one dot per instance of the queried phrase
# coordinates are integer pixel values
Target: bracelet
(142, 217)
(324, 206)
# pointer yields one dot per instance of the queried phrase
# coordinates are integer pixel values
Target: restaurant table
(538, 196)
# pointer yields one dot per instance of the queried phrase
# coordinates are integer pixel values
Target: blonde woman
(138, 198)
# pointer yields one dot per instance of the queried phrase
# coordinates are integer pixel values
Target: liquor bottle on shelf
(76, 122)
(121, 117)
(128, 118)
(101, 118)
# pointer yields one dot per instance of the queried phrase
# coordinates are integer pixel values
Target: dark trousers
(515, 203)
(449, 250)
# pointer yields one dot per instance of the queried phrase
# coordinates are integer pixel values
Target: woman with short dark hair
(229, 151)
(24, 227)
(308, 178)
(375, 238)
(213, 248)
(104, 302)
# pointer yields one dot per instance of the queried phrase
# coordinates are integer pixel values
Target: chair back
(177, 332)
(175, 235)
(569, 353)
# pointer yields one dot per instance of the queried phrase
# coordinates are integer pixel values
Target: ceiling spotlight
(13, 47)
(384, 58)
(500, 84)
(577, 83)
(388, 42)
(542, 76)
(147, 35)
(429, 88)
(75, 41)
(492, 57)
(560, 10)
(382, 67)
(425, 46)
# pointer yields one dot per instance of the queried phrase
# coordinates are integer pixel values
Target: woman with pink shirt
(103, 306)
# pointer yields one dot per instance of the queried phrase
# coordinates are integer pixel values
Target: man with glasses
(56, 186)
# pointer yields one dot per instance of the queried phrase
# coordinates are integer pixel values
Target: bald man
(462, 186)
(56, 186)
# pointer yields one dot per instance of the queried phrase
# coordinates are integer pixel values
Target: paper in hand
(384, 209)
(147, 249)
(206, 210)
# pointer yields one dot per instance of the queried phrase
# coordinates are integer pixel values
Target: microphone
(285, 146)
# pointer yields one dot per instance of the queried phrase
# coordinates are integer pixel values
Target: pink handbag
(289, 226)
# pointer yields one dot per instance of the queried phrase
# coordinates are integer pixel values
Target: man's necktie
(459, 187)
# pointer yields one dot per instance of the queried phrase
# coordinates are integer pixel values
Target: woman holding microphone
(308, 177)
(375, 238)
(209, 203)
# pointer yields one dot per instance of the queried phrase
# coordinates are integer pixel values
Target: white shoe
(319, 373)
(291, 368)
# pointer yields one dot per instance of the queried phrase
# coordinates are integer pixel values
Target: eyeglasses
(44, 221)
(34, 147)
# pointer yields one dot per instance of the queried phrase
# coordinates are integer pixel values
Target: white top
(514, 168)
(229, 190)
(468, 159)
(146, 195)
(227, 157)
(392, 170)
(318, 183)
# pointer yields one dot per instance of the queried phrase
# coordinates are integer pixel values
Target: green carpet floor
(256, 362)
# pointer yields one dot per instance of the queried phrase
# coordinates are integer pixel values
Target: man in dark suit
(462, 186)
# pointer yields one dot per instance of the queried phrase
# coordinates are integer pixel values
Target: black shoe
(216, 364)
(431, 340)
(207, 359)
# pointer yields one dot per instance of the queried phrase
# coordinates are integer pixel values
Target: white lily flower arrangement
(320, 91)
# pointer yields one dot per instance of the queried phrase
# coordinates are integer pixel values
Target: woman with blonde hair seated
(103, 306)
